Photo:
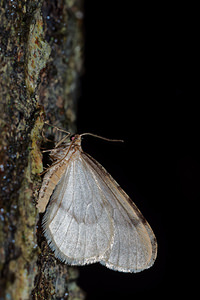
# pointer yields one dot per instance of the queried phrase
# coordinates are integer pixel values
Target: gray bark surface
(41, 45)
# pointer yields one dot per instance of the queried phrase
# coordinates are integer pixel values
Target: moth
(89, 218)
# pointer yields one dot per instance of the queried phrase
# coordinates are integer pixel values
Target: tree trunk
(40, 63)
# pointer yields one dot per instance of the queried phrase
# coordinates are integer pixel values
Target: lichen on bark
(41, 48)
(37, 53)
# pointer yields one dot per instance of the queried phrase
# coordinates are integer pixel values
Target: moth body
(89, 217)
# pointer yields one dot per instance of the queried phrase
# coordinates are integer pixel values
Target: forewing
(135, 246)
(77, 223)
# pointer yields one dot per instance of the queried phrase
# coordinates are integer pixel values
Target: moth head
(76, 139)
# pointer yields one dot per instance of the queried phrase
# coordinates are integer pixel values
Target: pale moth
(89, 218)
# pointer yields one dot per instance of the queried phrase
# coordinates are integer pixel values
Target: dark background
(129, 92)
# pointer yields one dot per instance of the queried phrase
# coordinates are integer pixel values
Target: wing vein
(102, 195)
(118, 202)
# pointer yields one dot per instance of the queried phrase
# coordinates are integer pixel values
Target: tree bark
(41, 45)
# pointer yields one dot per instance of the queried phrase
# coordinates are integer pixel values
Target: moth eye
(72, 137)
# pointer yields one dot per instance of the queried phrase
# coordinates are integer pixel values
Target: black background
(128, 93)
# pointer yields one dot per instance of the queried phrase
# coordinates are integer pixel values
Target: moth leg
(45, 138)
(67, 132)
(62, 140)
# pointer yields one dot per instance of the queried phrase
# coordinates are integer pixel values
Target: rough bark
(40, 63)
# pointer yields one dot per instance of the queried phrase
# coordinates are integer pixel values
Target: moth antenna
(101, 137)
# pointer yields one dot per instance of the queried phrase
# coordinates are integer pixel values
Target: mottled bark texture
(40, 64)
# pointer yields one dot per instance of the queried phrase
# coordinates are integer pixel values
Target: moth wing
(135, 247)
(77, 222)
